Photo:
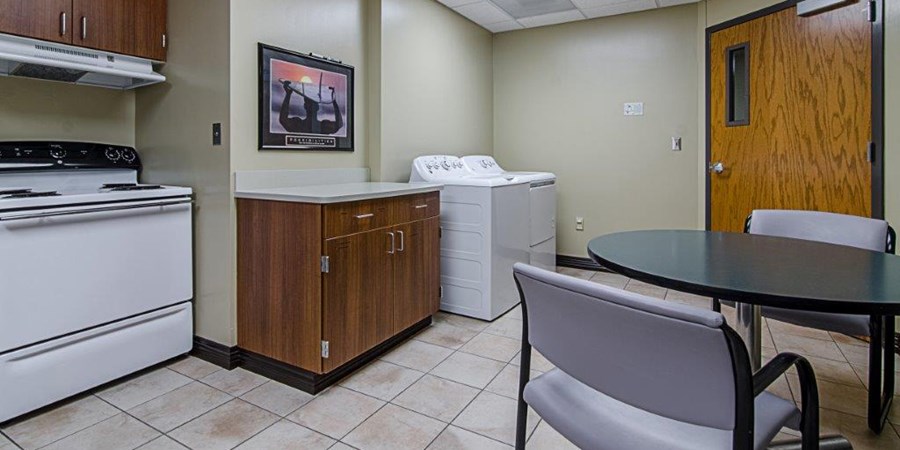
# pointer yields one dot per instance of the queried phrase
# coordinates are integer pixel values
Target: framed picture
(305, 102)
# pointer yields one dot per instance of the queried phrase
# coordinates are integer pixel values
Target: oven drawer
(342, 219)
(41, 374)
(68, 269)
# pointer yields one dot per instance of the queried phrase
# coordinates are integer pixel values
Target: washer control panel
(439, 167)
(481, 164)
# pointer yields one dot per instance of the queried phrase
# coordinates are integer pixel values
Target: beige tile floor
(452, 386)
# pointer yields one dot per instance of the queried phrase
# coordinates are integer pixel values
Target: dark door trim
(877, 101)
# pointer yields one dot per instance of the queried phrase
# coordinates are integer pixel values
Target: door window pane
(738, 89)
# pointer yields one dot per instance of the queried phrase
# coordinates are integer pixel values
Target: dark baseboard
(216, 353)
(310, 382)
(577, 262)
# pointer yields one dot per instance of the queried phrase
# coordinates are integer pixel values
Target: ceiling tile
(620, 8)
(483, 13)
(455, 3)
(552, 18)
(665, 3)
(500, 27)
(591, 4)
(531, 8)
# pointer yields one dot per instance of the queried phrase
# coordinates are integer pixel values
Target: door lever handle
(716, 167)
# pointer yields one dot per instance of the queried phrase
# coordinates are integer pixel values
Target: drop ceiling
(506, 15)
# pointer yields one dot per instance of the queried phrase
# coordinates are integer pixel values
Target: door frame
(877, 101)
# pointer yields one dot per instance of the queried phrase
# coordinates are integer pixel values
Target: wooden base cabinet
(319, 286)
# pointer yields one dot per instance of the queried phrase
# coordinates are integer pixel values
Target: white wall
(173, 133)
(558, 106)
(334, 28)
(436, 86)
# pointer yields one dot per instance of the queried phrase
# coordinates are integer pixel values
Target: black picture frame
(299, 90)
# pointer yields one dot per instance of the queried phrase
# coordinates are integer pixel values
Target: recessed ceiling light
(530, 8)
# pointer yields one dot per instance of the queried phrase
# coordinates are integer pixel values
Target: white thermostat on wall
(634, 109)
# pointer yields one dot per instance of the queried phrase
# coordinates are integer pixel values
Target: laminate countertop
(337, 193)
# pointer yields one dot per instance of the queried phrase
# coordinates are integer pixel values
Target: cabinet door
(416, 272)
(150, 29)
(104, 24)
(49, 20)
(356, 304)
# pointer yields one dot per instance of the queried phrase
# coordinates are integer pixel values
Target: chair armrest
(809, 391)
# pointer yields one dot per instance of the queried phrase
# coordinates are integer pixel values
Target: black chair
(853, 231)
(637, 373)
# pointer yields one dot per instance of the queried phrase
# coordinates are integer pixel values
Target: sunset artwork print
(306, 102)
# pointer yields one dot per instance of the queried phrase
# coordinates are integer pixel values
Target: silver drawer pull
(420, 206)
(402, 242)
(364, 216)
(83, 28)
(63, 19)
(46, 214)
(393, 243)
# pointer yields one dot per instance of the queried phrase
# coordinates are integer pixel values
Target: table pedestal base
(749, 327)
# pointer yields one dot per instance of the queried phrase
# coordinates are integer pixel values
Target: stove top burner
(30, 194)
(131, 187)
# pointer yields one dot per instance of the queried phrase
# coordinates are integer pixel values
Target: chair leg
(881, 371)
(522, 413)
(716, 305)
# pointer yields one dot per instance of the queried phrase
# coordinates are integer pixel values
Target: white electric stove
(96, 270)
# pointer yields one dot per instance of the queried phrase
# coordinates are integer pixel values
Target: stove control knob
(58, 153)
(446, 165)
(113, 154)
(128, 155)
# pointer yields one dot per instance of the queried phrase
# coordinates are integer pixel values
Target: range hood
(31, 58)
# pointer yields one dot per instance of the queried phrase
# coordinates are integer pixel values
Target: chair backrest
(666, 358)
(842, 229)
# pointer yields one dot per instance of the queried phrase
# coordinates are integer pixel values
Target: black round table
(756, 270)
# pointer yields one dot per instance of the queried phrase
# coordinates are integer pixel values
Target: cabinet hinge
(325, 263)
(440, 291)
(440, 232)
(872, 11)
(325, 349)
(870, 153)
(164, 40)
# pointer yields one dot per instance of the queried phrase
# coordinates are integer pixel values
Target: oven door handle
(72, 212)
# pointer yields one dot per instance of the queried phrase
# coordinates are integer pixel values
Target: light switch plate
(634, 109)
(676, 144)
(579, 224)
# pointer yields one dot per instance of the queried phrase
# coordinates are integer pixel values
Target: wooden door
(801, 142)
(416, 272)
(49, 20)
(356, 303)
(104, 24)
(150, 29)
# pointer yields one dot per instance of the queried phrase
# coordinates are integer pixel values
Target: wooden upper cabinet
(150, 29)
(104, 25)
(49, 20)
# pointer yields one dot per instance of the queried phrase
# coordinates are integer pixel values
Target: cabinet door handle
(402, 242)
(63, 24)
(364, 216)
(393, 242)
(83, 28)
(421, 206)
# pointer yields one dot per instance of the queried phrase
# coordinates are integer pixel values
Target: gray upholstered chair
(638, 373)
(853, 231)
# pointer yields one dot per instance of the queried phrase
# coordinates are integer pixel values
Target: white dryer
(542, 205)
(484, 223)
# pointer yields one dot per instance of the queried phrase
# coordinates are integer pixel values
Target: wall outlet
(217, 134)
(676, 144)
(579, 224)
(634, 109)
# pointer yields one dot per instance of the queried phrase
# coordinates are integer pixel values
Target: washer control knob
(128, 155)
(57, 153)
(446, 165)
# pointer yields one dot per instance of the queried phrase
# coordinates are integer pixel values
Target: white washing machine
(484, 222)
(542, 190)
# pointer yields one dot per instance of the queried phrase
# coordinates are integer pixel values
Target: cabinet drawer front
(342, 219)
(410, 208)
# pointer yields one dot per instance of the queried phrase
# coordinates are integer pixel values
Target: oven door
(66, 269)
